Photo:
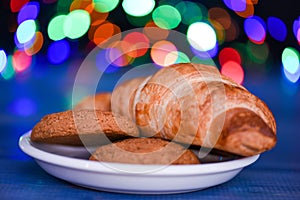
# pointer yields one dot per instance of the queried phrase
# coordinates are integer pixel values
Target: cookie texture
(83, 127)
(99, 101)
(145, 151)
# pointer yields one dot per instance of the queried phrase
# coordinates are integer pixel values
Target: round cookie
(145, 151)
(83, 127)
(99, 101)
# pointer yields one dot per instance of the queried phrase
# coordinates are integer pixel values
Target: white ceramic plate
(61, 162)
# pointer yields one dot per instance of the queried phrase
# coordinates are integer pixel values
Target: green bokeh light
(138, 8)
(166, 17)
(182, 58)
(8, 72)
(104, 6)
(290, 60)
(190, 12)
(258, 52)
(56, 28)
(63, 6)
(76, 24)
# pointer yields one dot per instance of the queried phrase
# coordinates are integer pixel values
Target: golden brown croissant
(195, 104)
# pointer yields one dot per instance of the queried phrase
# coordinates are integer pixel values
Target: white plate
(131, 178)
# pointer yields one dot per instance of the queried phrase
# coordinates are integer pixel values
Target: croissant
(194, 104)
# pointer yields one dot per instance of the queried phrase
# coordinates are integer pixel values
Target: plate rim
(102, 167)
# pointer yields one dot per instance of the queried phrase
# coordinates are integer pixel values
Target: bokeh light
(137, 44)
(290, 76)
(3, 60)
(37, 44)
(166, 16)
(154, 33)
(117, 56)
(103, 33)
(103, 63)
(258, 52)
(16, 5)
(229, 54)
(277, 28)
(26, 31)
(138, 8)
(29, 11)
(249, 10)
(164, 53)
(209, 54)
(290, 60)
(58, 51)
(23, 107)
(296, 29)
(234, 71)
(8, 72)
(255, 29)
(182, 57)
(236, 5)
(21, 61)
(201, 36)
(76, 24)
(56, 27)
(104, 6)
(220, 15)
(190, 12)
(139, 21)
(82, 5)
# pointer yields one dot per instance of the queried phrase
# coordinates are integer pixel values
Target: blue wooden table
(276, 175)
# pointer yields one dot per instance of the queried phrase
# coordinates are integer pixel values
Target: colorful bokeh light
(76, 24)
(37, 44)
(26, 31)
(164, 53)
(138, 8)
(296, 29)
(190, 12)
(137, 44)
(104, 6)
(58, 51)
(103, 33)
(234, 71)
(23, 107)
(249, 10)
(258, 53)
(255, 29)
(3, 60)
(182, 57)
(29, 11)
(229, 54)
(56, 27)
(103, 63)
(154, 33)
(21, 61)
(166, 16)
(201, 36)
(8, 72)
(290, 60)
(16, 5)
(277, 28)
(236, 5)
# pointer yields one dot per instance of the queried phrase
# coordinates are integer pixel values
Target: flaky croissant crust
(195, 104)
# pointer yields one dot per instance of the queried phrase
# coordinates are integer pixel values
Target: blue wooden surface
(276, 175)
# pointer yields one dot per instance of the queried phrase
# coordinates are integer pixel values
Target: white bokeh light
(201, 36)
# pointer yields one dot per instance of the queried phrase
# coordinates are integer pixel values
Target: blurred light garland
(208, 32)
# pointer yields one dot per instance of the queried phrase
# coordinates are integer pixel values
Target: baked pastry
(145, 151)
(83, 127)
(195, 104)
(100, 101)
